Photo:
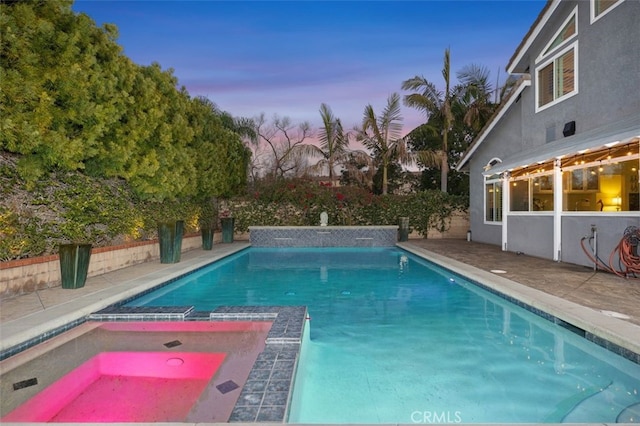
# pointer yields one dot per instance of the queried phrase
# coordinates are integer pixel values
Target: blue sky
(288, 57)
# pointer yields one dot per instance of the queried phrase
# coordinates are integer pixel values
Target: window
(557, 78)
(568, 30)
(542, 193)
(602, 7)
(584, 179)
(607, 185)
(532, 194)
(519, 195)
(493, 199)
(556, 69)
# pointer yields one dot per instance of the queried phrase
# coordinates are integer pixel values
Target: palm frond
(475, 77)
(431, 158)
(307, 150)
(391, 119)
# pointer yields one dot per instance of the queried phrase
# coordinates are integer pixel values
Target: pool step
(610, 399)
(139, 313)
(631, 414)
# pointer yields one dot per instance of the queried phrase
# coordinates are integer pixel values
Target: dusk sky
(288, 57)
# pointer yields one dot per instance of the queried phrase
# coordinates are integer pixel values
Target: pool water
(395, 339)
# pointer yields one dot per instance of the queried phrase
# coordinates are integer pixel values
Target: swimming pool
(395, 339)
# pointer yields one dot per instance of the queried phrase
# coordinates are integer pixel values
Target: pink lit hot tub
(124, 387)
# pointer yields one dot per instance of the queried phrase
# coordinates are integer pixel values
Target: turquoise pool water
(395, 339)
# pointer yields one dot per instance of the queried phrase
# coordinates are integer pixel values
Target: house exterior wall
(531, 235)
(506, 139)
(608, 65)
(610, 231)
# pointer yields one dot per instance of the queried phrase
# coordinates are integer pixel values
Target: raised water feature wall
(323, 236)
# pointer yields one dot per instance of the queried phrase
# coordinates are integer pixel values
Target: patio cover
(622, 131)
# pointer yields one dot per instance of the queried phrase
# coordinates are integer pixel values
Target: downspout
(557, 211)
(505, 209)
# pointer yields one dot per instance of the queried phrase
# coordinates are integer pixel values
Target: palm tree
(474, 94)
(432, 102)
(466, 104)
(381, 135)
(333, 143)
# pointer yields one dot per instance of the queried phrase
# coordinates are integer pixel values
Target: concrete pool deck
(606, 301)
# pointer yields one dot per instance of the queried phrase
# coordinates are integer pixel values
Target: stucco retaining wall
(457, 227)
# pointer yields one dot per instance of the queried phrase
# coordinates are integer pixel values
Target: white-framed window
(568, 30)
(493, 199)
(557, 77)
(608, 184)
(599, 8)
(556, 73)
(531, 194)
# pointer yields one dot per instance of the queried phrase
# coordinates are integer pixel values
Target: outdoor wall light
(569, 128)
(492, 162)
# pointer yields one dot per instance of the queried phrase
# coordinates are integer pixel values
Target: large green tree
(454, 117)
(221, 158)
(382, 136)
(59, 85)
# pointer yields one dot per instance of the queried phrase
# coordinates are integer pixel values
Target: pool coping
(614, 334)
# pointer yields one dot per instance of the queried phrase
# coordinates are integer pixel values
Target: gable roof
(536, 27)
(523, 82)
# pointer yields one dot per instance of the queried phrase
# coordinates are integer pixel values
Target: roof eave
(531, 35)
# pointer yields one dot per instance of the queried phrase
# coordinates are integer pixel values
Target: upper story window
(568, 30)
(600, 8)
(557, 65)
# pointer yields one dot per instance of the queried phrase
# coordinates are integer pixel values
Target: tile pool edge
(21, 333)
(601, 329)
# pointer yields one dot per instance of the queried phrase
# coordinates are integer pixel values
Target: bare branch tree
(285, 143)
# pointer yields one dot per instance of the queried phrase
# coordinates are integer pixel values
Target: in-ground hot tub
(187, 371)
(323, 236)
(124, 387)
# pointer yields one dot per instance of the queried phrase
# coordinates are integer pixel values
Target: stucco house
(555, 173)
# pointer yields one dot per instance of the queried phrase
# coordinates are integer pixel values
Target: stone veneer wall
(323, 236)
(37, 273)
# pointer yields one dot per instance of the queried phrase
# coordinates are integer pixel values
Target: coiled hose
(626, 252)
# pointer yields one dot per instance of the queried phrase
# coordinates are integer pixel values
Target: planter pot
(227, 229)
(170, 239)
(74, 264)
(403, 229)
(207, 238)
